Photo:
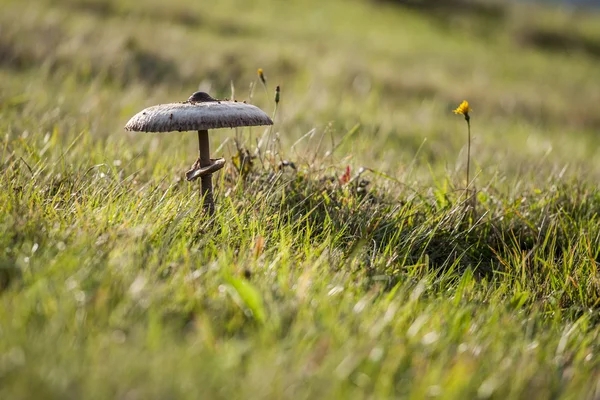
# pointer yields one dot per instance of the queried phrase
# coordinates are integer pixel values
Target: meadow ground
(305, 284)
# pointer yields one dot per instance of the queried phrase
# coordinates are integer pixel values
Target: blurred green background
(397, 68)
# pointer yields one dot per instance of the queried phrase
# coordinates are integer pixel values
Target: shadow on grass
(137, 63)
(11, 57)
(565, 42)
(107, 9)
(437, 232)
(146, 65)
(451, 8)
(8, 273)
(100, 8)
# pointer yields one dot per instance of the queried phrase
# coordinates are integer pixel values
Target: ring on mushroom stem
(199, 113)
(197, 171)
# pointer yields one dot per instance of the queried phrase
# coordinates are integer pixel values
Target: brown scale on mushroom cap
(200, 97)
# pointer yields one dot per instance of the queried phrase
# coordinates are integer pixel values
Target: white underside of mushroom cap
(197, 116)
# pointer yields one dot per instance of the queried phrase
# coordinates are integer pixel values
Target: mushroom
(199, 113)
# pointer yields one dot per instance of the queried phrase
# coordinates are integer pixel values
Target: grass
(304, 284)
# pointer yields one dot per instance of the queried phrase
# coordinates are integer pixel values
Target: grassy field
(304, 284)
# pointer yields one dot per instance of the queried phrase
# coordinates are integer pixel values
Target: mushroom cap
(195, 116)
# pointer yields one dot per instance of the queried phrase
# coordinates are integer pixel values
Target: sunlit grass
(357, 272)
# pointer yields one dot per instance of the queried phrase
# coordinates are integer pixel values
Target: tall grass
(356, 273)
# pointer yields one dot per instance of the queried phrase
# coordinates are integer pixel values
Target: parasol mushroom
(199, 113)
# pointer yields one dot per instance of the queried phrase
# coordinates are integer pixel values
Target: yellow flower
(261, 75)
(463, 109)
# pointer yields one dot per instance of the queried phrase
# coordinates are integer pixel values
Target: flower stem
(468, 153)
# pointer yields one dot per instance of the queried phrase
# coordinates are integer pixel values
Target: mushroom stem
(207, 190)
